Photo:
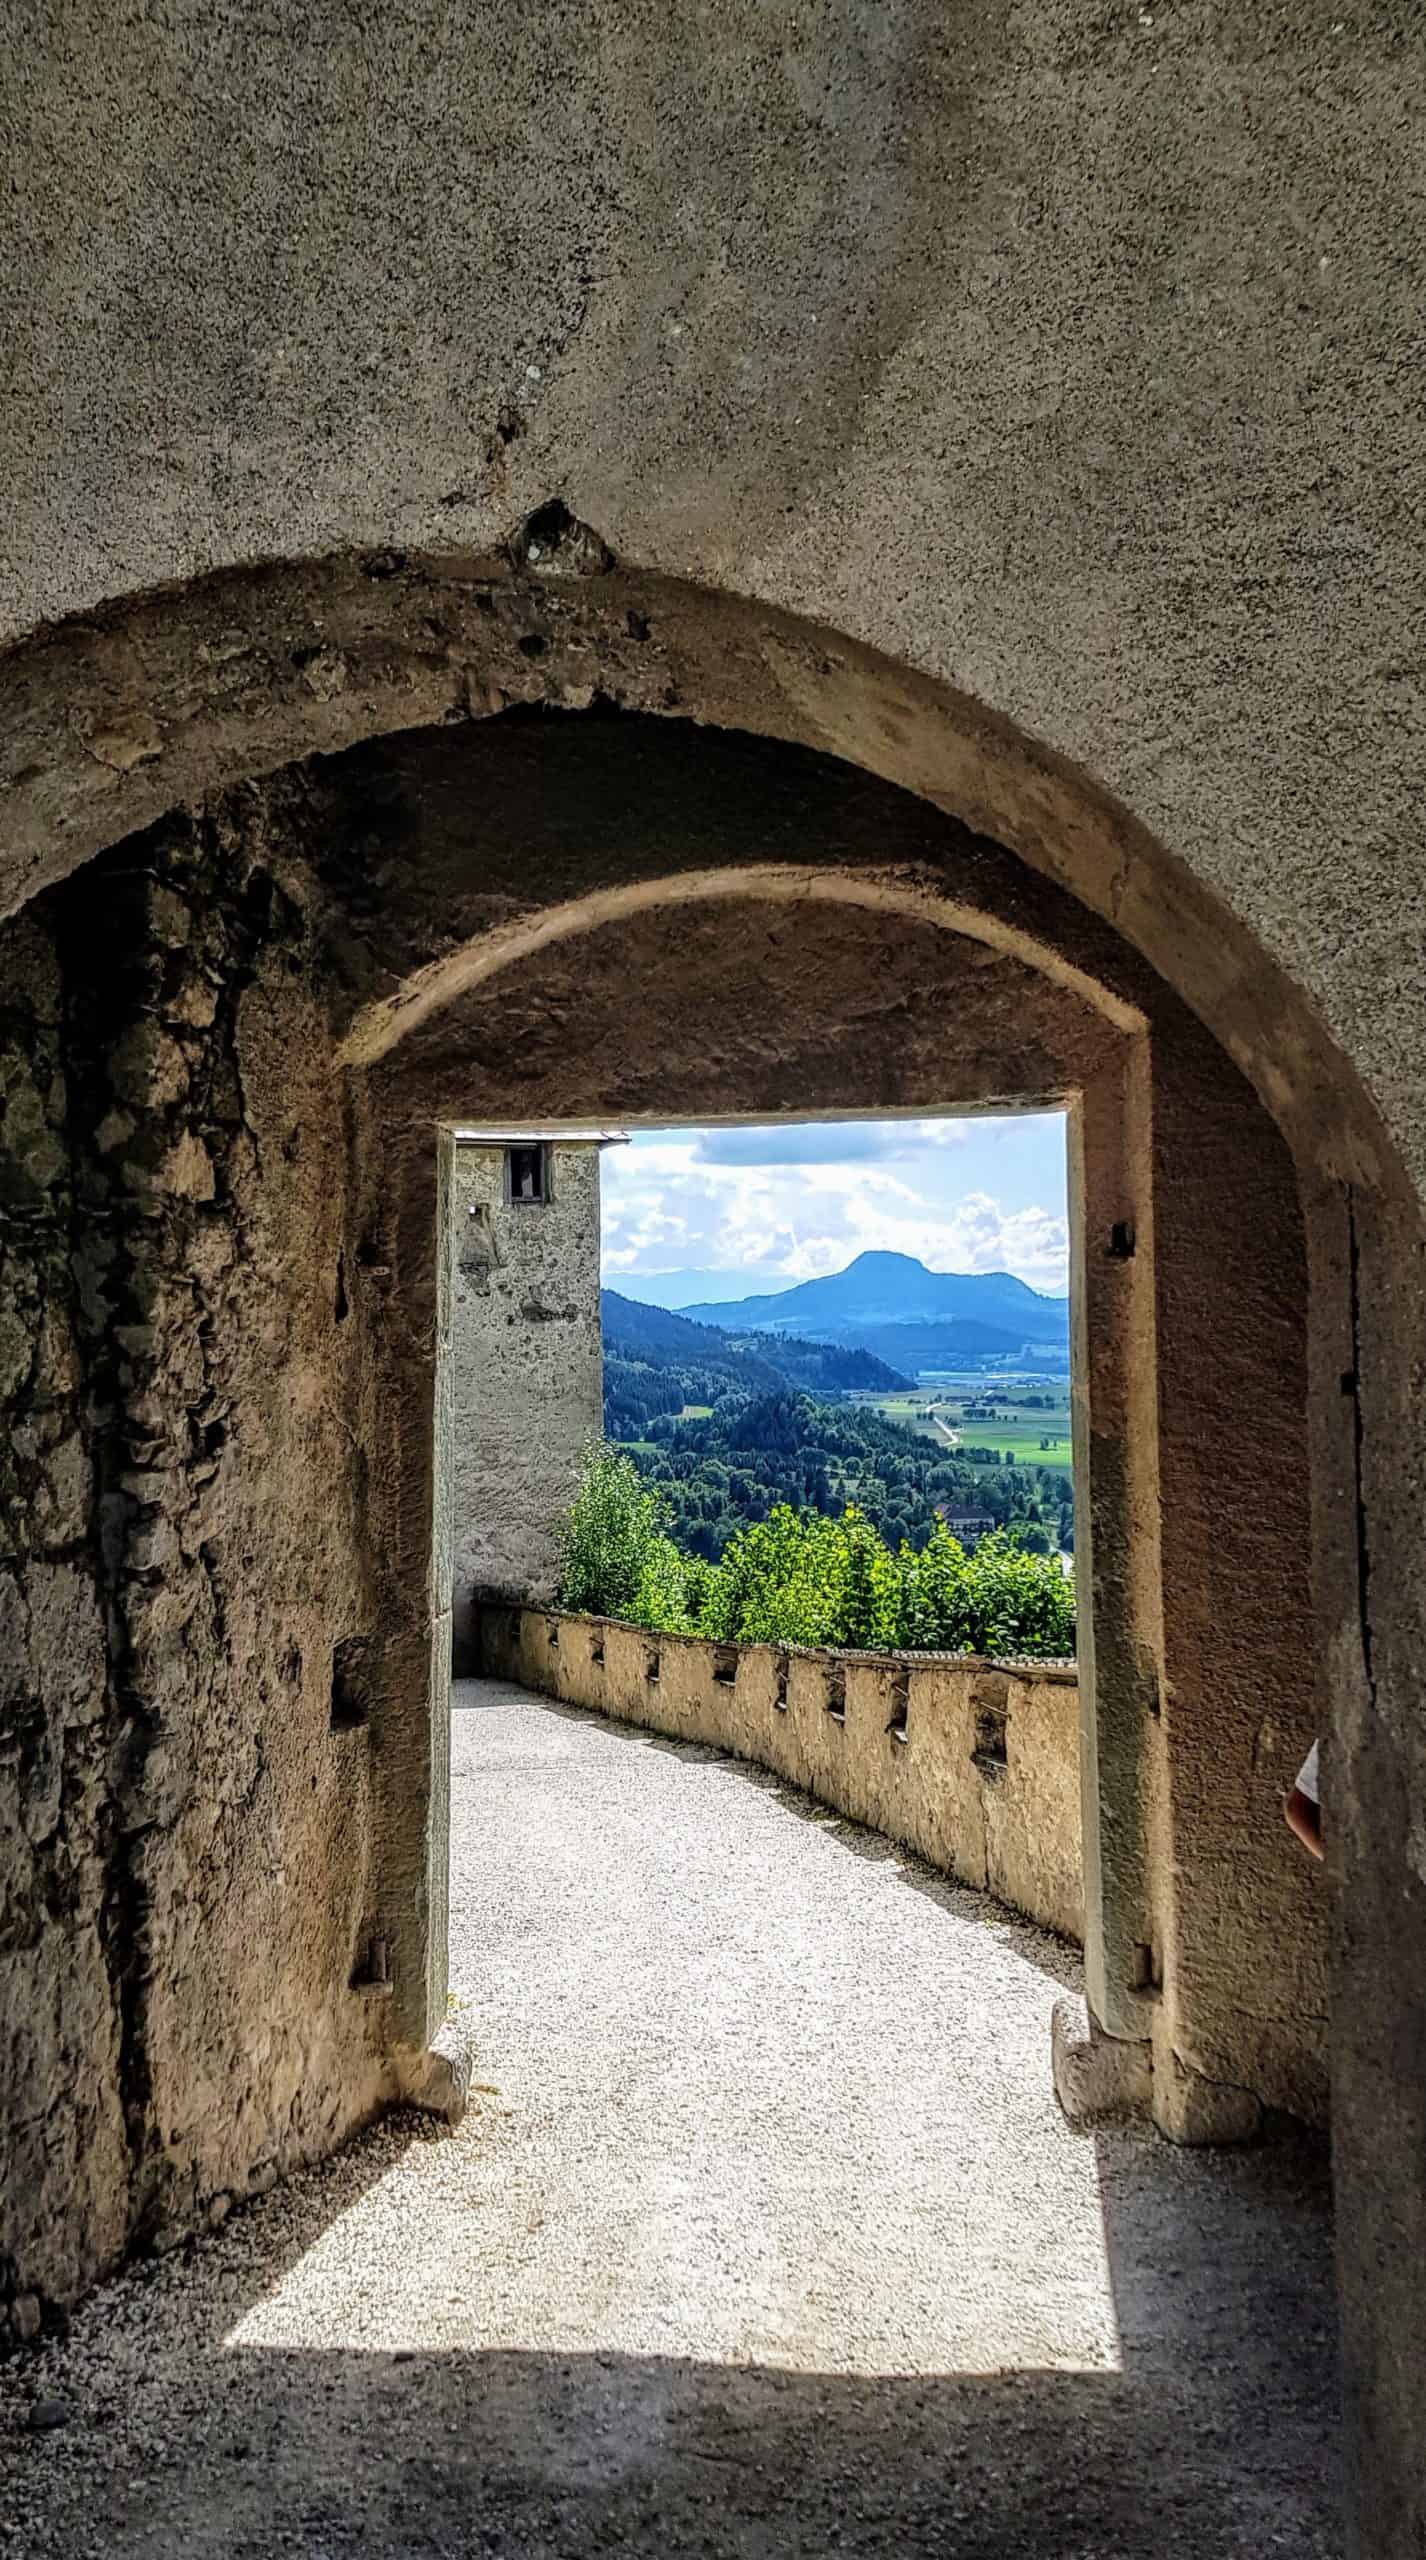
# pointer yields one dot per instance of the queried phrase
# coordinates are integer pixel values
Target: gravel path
(764, 2237)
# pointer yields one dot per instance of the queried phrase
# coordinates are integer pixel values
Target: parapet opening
(991, 1752)
(352, 1686)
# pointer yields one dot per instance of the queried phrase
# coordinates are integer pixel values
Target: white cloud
(677, 1203)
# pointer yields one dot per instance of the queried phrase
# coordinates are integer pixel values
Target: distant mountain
(881, 1290)
(681, 1288)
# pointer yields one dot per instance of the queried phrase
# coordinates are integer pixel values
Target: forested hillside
(727, 1428)
(736, 1463)
(657, 1363)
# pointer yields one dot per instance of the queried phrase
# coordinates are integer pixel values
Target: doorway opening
(936, 2141)
(856, 1462)
(896, 1319)
(752, 991)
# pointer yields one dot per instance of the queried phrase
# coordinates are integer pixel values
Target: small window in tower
(527, 1176)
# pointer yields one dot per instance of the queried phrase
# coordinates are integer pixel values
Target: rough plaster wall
(428, 846)
(1375, 1802)
(527, 1368)
(755, 290)
(206, 1149)
(1249, 1919)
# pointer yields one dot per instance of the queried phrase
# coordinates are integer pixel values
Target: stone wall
(1207, 1934)
(974, 1765)
(186, 1875)
(231, 1253)
(63, 2198)
(527, 1370)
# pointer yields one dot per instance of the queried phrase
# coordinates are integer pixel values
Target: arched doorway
(381, 917)
(864, 980)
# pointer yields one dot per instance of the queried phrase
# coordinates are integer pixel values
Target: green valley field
(1025, 1418)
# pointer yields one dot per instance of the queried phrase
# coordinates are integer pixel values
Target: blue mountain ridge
(891, 1289)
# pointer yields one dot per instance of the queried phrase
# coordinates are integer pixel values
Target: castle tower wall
(527, 1376)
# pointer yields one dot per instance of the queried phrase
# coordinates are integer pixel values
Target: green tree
(611, 1531)
(799, 1577)
(869, 1607)
(933, 1583)
(661, 1595)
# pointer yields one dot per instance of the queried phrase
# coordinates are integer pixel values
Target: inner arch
(380, 1026)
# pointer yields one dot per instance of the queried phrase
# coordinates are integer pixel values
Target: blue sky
(797, 1199)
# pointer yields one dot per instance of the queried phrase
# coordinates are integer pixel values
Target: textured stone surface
(439, 2081)
(224, 665)
(943, 333)
(1097, 2077)
(186, 1899)
(64, 2196)
(1061, 358)
(527, 1371)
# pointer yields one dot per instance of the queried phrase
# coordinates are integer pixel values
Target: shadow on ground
(443, 2456)
(1210, 2442)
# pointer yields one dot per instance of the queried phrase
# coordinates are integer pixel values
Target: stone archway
(115, 722)
(157, 701)
(618, 1005)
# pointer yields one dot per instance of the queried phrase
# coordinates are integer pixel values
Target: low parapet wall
(973, 1764)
